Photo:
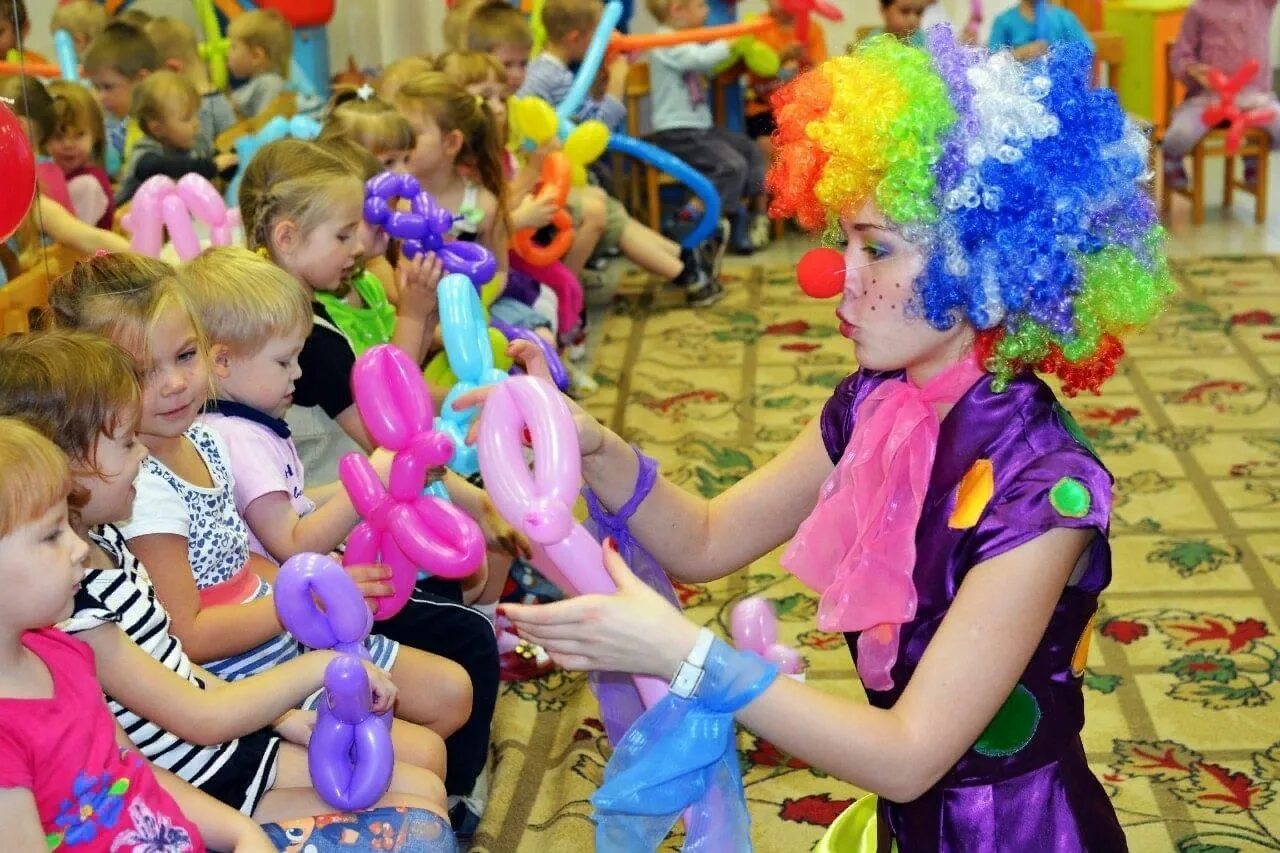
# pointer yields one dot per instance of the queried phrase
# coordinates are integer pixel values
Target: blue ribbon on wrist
(679, 754)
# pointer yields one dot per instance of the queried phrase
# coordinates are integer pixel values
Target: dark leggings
(435, 620)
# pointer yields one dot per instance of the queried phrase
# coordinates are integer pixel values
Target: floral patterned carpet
(1183, 684)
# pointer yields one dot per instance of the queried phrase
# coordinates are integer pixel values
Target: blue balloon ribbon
(64, 49)
(681, 755)
(591, 61)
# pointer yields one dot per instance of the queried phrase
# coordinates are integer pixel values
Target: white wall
(377, 31)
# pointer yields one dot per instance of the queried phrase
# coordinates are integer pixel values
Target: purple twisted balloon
(350, 751)
(424, 227)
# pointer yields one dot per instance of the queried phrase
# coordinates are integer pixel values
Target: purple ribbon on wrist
(620, 704)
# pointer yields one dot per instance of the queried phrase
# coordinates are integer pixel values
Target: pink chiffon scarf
(858, 546)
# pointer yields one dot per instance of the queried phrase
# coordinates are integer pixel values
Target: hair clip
(262, 252)
(101, 253)
(365, 92)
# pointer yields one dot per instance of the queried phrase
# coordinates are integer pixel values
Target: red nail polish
(611, 543)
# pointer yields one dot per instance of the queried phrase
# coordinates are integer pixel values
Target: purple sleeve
(1066, 487)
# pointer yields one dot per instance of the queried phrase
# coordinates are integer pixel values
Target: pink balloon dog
(754, 628)
(540, 507)
(161, 204)
(403, 528)
(350, 752)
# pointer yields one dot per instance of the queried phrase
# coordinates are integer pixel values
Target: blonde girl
(361, 116)
(458, 158)
(77, 145)
(184, 524)
(65, 757)
(83, 392)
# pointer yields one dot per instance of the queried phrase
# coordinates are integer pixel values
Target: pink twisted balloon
(754, 627)
(161, 204)
(403, 528)
(540, 506)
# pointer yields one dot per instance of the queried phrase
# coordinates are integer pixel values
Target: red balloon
(821, 273)
(17, 172)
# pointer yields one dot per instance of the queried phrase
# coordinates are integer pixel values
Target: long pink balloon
(539, 506)
(563, 283)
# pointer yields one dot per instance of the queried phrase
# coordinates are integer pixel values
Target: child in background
(570, 26)
(115, 62)
(1218, 35)
(396, 73)
(498, 28)
(1018, 31)
(82, 391)
(11, 12)
(135, 17)
(261, 44)
(372, 123)
(903, 19)
(83, 19)
(65, 765)
(184, 524)
(177, 50)
(795, 59)
(78, 145)
(682, 124)
(166, 106)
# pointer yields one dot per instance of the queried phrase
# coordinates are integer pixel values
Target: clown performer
(994, 224)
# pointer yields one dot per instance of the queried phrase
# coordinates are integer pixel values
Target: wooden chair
(1256, 143)
(28, 292)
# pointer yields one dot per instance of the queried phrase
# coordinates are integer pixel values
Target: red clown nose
(821, 273)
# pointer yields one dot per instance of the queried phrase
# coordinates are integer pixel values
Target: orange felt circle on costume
(972, 495)
(1081, 655)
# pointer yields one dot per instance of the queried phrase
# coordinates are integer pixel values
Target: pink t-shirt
(262, 460)
(91, 794)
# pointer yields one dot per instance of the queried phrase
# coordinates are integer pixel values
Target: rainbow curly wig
(1022, 183)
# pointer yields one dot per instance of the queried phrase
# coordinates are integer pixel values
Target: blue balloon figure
(64, 48)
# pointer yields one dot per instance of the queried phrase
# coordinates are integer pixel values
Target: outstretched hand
(634, 630)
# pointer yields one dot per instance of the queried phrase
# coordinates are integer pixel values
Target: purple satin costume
(1024, 786)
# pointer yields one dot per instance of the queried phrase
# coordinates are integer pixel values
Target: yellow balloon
(492, 289)
(577, 174)
(587, 142)
(762, 60)
(535, 119)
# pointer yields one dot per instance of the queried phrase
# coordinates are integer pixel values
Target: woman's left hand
(634, 630)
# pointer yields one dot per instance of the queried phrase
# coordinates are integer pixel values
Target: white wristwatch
(689, 675)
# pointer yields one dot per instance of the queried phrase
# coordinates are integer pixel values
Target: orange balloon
(34, 69)
(553, 184)
(619, 43)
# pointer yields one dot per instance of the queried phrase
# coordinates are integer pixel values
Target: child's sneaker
(692, 260)
(706, 294)
(1175, 177)
(739, 234)
(761, 231)
(713, 250)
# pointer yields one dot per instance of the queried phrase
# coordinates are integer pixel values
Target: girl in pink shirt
(69, 777)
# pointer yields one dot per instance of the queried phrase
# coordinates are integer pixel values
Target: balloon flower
(424, 227)
(403, 528)
(161, 204)
(350, 752)
(1226, 110)
(534, 123)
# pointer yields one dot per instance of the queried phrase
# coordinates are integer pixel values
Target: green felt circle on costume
(1012, 727)
(363, 327)
(1070, 498)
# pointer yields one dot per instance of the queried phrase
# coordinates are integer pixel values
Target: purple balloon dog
(424, 227)
(350, 751)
